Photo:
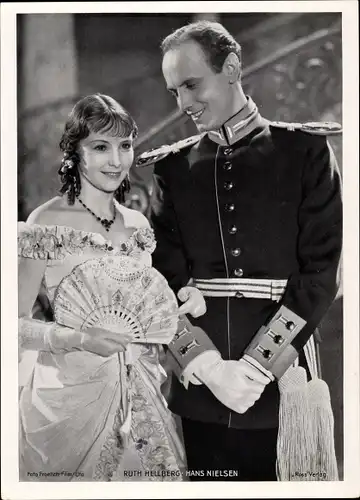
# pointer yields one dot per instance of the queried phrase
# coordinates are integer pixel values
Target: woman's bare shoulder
(51, 212)
(132, 218)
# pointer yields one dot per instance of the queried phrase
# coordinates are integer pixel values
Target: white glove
(194, 302)
(236, 384)
(257, 365)
(55, 338)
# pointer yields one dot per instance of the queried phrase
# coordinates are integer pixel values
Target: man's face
(200, 92)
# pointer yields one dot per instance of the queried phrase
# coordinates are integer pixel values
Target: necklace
(106, 223)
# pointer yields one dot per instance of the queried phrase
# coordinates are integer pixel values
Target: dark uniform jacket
(267, 206)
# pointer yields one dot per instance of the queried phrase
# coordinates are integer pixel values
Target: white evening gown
(84, 417)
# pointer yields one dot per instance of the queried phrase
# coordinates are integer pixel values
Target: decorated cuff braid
(271, 346)
(188, 342)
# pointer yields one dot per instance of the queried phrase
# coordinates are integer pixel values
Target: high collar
(238, 126)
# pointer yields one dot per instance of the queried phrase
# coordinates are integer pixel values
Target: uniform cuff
(188, 343)
(271, 347)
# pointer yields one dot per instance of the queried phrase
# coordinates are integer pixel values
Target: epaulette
(153, 155)
(316, 128)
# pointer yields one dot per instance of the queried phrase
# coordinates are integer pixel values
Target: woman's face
(105, 160)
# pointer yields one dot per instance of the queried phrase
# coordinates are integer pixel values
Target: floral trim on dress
(142, 239)
(150, 439)
(116, 441)
(147, 436)
(111, 452)
(56, 242)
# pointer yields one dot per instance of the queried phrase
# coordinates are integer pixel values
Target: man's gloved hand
(194, 302)
(257, 365)
(236, 384)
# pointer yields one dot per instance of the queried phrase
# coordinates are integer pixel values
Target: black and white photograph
(180, 185)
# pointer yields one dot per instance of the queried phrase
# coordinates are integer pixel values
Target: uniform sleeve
(310, 293)
(169, 257)
(311, 290)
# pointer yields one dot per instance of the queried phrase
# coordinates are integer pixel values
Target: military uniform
(252, 214)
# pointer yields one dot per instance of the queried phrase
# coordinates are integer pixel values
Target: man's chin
(203, 127)
(206, 127)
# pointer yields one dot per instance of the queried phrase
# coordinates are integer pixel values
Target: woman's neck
(100, 202)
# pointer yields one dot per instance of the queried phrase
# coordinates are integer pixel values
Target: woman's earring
(126, 184)
(124, 187)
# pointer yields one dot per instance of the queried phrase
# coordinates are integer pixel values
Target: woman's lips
(112, 175)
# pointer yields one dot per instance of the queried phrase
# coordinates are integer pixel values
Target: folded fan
(120, 294)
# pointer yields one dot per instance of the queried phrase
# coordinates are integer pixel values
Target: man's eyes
(188, 85)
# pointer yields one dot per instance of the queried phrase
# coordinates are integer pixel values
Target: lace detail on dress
(148, 432)
(111, 452)
(116, 441)
(147, 436)
(56, 242)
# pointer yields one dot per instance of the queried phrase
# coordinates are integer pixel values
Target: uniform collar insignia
(238, 126)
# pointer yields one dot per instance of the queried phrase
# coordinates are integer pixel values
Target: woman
(92, 408)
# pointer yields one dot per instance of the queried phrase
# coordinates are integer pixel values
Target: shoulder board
(153, 155)
(315, 128)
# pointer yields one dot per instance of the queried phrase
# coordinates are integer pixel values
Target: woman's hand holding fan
(103, 342)
(60, 338)
(120, 297)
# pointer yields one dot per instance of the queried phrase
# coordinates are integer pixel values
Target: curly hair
(94, 113)
(216, 42)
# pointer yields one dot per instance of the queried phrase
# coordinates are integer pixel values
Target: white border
(11, 487)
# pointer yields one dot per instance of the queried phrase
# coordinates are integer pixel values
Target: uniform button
(228, 185)
(227, 151)
(266, 354)
(232, 229)
(230, 207)
(239, 273)
(290, 325)
(227, 165)
(278, 339)
(235, 252)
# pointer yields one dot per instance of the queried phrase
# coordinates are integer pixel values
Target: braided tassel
(305, 448)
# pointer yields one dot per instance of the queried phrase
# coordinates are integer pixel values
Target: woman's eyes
(102, 147)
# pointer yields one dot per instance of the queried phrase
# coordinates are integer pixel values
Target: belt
(249, 288)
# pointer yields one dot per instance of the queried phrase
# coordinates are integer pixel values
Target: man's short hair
(214, 39)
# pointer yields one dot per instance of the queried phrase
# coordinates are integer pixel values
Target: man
(249, 212)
